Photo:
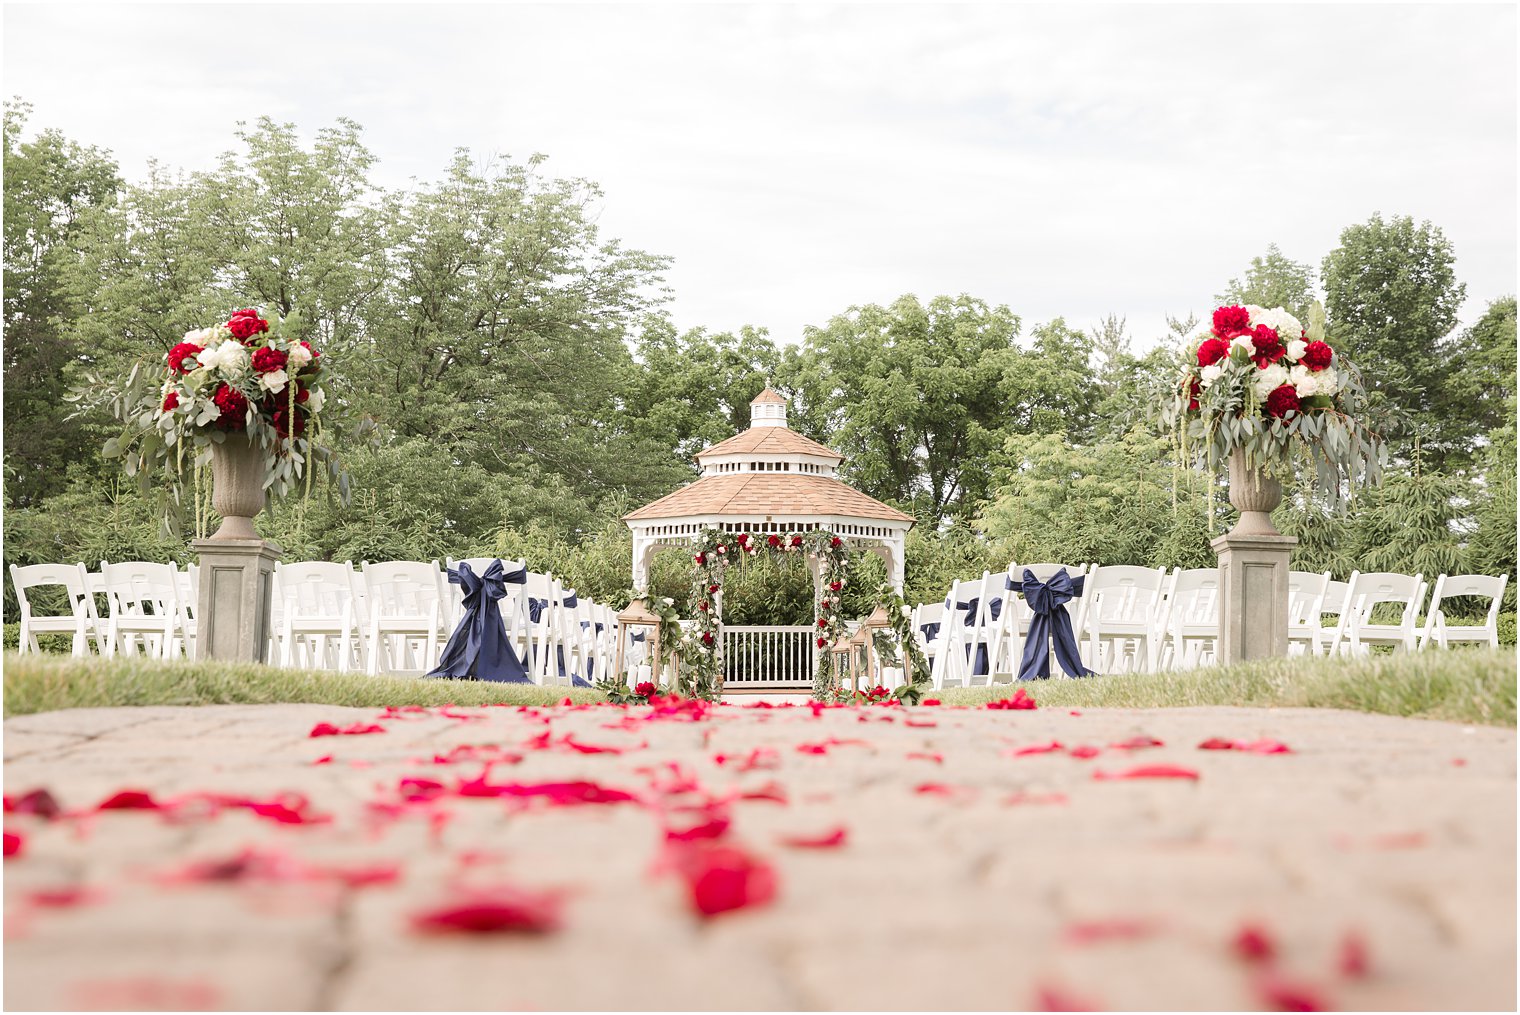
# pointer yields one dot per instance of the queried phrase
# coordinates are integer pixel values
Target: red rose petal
(929, 701)
(772, 791)
(1254, 944)
(327, 729)
(14, 844)
(1137, 743)
(502, 911)
(1121, 928)
(714, 828)
(1020, 701)
(722, 879)
(64, 898)
(130, 800)
(1022, 752)
(935, 756)
(325, 759)
(1353, 962)
(827, 840)
(39, 802)
(1054, 998)
(1281, 994)
(1085, 751)
(1148, 772)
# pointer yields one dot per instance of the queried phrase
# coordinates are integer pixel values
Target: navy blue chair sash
(1050, 622)
(479, 647)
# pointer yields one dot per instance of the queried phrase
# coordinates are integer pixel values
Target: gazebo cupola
(768, 480)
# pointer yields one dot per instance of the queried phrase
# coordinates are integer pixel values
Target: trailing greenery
(1472, 685)
(43, 683)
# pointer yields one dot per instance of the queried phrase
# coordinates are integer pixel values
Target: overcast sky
(795, 161)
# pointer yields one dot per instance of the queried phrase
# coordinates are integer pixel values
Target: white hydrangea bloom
(1211, 373)
(1268, 380)
(203, 336)
(1304, 381)
(274, 381)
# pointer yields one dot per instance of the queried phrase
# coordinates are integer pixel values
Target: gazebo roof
(772, 440)
(768, 493)
(768, 396)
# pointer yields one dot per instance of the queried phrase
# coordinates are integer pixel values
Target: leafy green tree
(1491, 550)
(1409, 525)
(692, 390)
(1476, 388)
(1110, 502)
(1273, 280)
(1392, 297)
(51, 183)
(1052, 387)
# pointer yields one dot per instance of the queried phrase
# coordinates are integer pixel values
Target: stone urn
(1255, 495)
(237, 491)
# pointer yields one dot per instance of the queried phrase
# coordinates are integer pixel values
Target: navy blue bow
(479, 646)
(638, 636)
(931, 631)
(980, 666)
(570, 601)
(1047, 601)
(536, 608)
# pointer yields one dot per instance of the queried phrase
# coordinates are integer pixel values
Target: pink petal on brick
(14, 844)
(1088, 932)
(1352, 960)
(1024, 752)
(1148, 772)
(1085, 751)
(502, 911)
(1281, 994)
(721, 879)
(826, 840)
(1253, 943)
(1137, 743)
(130, 800)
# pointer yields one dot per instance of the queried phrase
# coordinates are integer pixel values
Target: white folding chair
(952, 661)
(189, 600)
(540, 599)
(928, 625)
(1368, 591)
(1191, 624)
(1306, 603)
(81, 621)
(405, 615)
(1449, 587)
(317, 627)
(144, 604)
(1123, 617)
(1337, 603)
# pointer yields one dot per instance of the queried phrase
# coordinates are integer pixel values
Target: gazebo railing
(768, 657)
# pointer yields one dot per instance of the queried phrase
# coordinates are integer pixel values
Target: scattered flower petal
(1352, 961)
(1281, 994)
(827, 840)
(1254, 944)
(1148, 772)
(502, 911)
(721, 878)
(1020, 701)
(14, 844)
(1137, 743)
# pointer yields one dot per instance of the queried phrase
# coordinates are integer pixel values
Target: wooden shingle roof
(771, 440)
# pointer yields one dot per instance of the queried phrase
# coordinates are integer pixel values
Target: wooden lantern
(874, 669)
(637, 620)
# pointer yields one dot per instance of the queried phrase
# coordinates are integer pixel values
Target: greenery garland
(917, 677)
(713, 551)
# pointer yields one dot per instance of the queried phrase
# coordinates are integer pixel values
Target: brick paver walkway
(1371, 867)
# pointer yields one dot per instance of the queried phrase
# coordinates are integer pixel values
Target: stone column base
(1253, 595)
(232, 613)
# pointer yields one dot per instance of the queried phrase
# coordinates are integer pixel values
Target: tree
(1273, 280)
(1109, 502)
(1392, 297)
(1476, 387)
(913, 396)
(50, 184)
(693, 390)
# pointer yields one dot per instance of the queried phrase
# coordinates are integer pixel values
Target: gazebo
(768, 480)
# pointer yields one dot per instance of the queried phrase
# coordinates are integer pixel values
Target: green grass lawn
(1461, 685)
(44, 682)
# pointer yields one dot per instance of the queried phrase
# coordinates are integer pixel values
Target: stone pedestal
(233, 610)
(1253, 595)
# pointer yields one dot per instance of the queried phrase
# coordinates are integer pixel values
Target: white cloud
(795, 160)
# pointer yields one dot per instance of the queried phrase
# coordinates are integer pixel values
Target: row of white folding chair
(395, 616)
(990, 638)
(148, 605)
